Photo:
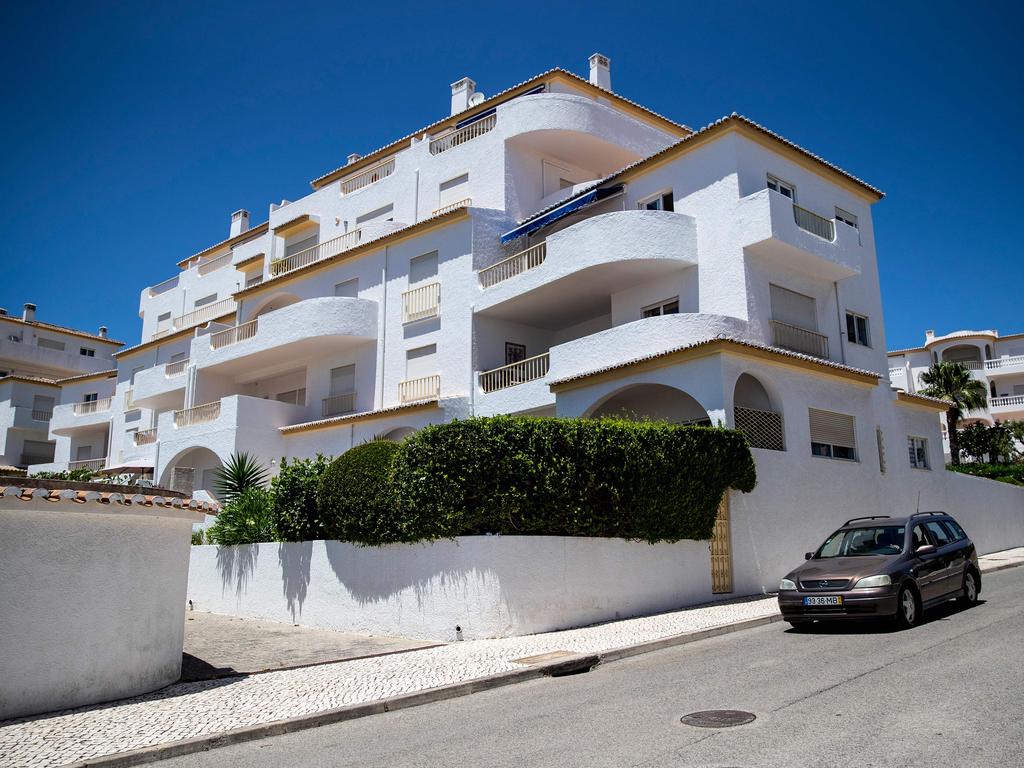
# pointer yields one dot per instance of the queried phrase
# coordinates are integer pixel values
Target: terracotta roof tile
(61, 329)
(365, 415)
(68, 495)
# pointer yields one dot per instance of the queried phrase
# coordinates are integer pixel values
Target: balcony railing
(897, 373)
(421, 303)
(163, 287)
(970, 365)
(28, 459)
(464, 203)
(462, 135)
(91, 406)
(234, 335)
(324, 250)
(763, 429)
(199, 414)
(510, 375)
(813, 223)
(368, 177)
(129, 399)
(797, 339)
(206, 267)
(1004, 362)
(253, 281)
(176, 368)
(145, 436)
(424, 388)
(335, 405)
(1002, 402)
(40, 414)
(202, 314)
(513, 265)
(93, 464)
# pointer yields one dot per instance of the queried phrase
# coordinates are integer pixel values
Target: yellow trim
(251, 261)
(231, 242)
(355, 418)
(170, 337)
(906, 398)
(706, 349)
(293, 225)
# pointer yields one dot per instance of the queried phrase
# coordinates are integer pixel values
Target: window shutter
(793, 308)
(343, 380)
(832, 428)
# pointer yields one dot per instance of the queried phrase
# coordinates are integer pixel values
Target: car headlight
(873, 581)
(786, 584)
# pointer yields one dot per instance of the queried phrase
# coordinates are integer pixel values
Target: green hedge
(355, 498)
(294, 490)
(564, 477)
(1004, 473)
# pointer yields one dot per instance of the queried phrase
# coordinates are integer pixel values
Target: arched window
(755, 416)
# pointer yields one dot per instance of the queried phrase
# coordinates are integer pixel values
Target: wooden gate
(721, 550)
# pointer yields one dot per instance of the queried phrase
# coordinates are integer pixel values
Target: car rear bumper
(857, 604)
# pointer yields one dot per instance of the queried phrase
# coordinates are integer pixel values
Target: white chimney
(103, 332)
(462, 92)
(601, 71)
(353, 157)
(239, 222)
(929, 334)
(29, 315)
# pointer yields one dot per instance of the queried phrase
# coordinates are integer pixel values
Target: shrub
(241, 472)
(247, 519)
(197, 537)
(564, 477)
(1004, 473)
(355, 496)
(296, 514)
(81, 475)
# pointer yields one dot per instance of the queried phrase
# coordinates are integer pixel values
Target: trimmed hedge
(294, 490)
(1004, 473)
(644, 481)
(355, 498)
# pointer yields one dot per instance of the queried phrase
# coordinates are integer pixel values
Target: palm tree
(953, 383)
(240, 473)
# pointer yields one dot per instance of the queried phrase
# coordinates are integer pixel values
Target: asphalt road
(947, 692)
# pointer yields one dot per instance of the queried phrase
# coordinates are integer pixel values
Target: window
(670, 307)
(177, 357)
(50, 344)
(453, 190)
(293, 396)
(343, 380)
(92, 397)
(917, 447)
(348, 289)
(793, 308)
(920, 537)
(663, 201)
(833, 435)
(514, 353)
(83, 453)
(378, 213)
(847, 218)
(857, 329)
(782, 187)
(955, 530)
(204, 301)
(863, 542)
(939, 533)
(87, 352)
(422, 267)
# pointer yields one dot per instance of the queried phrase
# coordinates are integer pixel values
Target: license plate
(829, 600)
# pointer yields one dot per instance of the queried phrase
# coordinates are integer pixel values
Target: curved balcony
(772, 226)
(581, 266)
(303, 329)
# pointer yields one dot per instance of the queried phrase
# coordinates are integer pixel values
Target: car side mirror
(808, 555)
(924, 549)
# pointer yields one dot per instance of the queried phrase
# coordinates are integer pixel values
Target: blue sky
(131, 131)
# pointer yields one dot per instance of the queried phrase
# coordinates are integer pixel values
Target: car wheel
(970, 595)
(908, 608)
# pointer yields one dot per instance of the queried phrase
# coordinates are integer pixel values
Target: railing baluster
(515, 373)
(797, 339)
(368, 177)
(421, 303)
(513, 265)
(199, 414)
(423, 388)
(324, 250)
(462, 135)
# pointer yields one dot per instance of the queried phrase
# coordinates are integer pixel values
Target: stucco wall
(93, 604)
(490, 586)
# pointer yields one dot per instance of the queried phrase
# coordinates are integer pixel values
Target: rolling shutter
(832, 428)
(793, 308)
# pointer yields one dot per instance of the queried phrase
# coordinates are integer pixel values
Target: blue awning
(593, 196)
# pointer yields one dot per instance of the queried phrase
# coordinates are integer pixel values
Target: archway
(962, 353)
(755, 415)
(191, 470)
(398, 434)
(651, 402)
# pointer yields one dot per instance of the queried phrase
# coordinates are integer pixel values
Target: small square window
(669, 307)
(857, 329)
(663, 201)
(846, 218)
(87, 352)
(782, 187)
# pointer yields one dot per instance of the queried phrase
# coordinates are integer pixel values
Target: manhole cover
(718, 718)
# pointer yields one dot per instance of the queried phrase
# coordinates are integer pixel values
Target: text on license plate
(830, 600)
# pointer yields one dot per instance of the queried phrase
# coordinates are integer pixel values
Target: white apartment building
(554, 249)
(37, 359)
(997, 361)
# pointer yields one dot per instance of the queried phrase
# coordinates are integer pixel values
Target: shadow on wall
(295, 560)
(237, 565)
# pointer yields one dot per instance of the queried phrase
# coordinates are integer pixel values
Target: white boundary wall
(490, 586)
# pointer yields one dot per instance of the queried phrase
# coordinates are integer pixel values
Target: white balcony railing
(510, 375)
(970, 365)
(813, 223)
(145, 436)
(421, 303)
(763, 429)
(212, 265)
(199, 414)
(897, 373)
(202, 314)
(1004, 362)
(797, 339)
(253, 281)
(462, 135)
(324, 250)
(368, 177)
(129, 399)
(464, 203)
(93, 464)
(91, 406)
(166, 285)
(234, 335)
(40, 414)
(176, 368)
(424, 388)
(335, 405)
(1003, 402)
(513, 265)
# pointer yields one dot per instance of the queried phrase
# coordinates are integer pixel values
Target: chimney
(239, 222)
(462, 92)
(103, 332)
(929, 334)
(352, 158)
(29, 315)
(601, 71)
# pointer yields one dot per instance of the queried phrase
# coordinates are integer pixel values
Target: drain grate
(718, 718)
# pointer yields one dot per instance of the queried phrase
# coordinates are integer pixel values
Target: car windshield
(857, 542)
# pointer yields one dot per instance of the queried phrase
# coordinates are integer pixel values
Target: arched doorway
(651, 402)
(968, 354)
(191, 470)
(756, 416)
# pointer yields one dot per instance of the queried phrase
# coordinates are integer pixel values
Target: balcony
(27, 417)
(94, 465)
(464, 203)
(337, 405)
(232, 423)
(92, 406)
(1001, 406)
(514, 374)
(367, 177)
(145, 437)
(176, 368)
(421, 303)
(238, 333)
(1004, 365)
(423, 388)
(160, 387)
(797, 339)
(198, 316)
(73, 417)
(324, 250)
(514, 265)
(772, 226)
(198, 414)
(458, 137)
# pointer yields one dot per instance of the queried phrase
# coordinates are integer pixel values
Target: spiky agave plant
(240, 473)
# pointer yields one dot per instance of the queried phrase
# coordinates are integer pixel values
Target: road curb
(430, 695)
(1003, 567)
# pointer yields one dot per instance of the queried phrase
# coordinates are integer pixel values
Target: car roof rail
(870, 517)
(925, 514)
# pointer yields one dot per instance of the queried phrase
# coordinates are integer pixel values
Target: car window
(920, 537)
(955, 530)
(857, 542)
(942, 537)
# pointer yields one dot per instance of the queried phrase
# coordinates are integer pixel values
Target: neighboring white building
(554, 249)
(996, 361)
(36, 358)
